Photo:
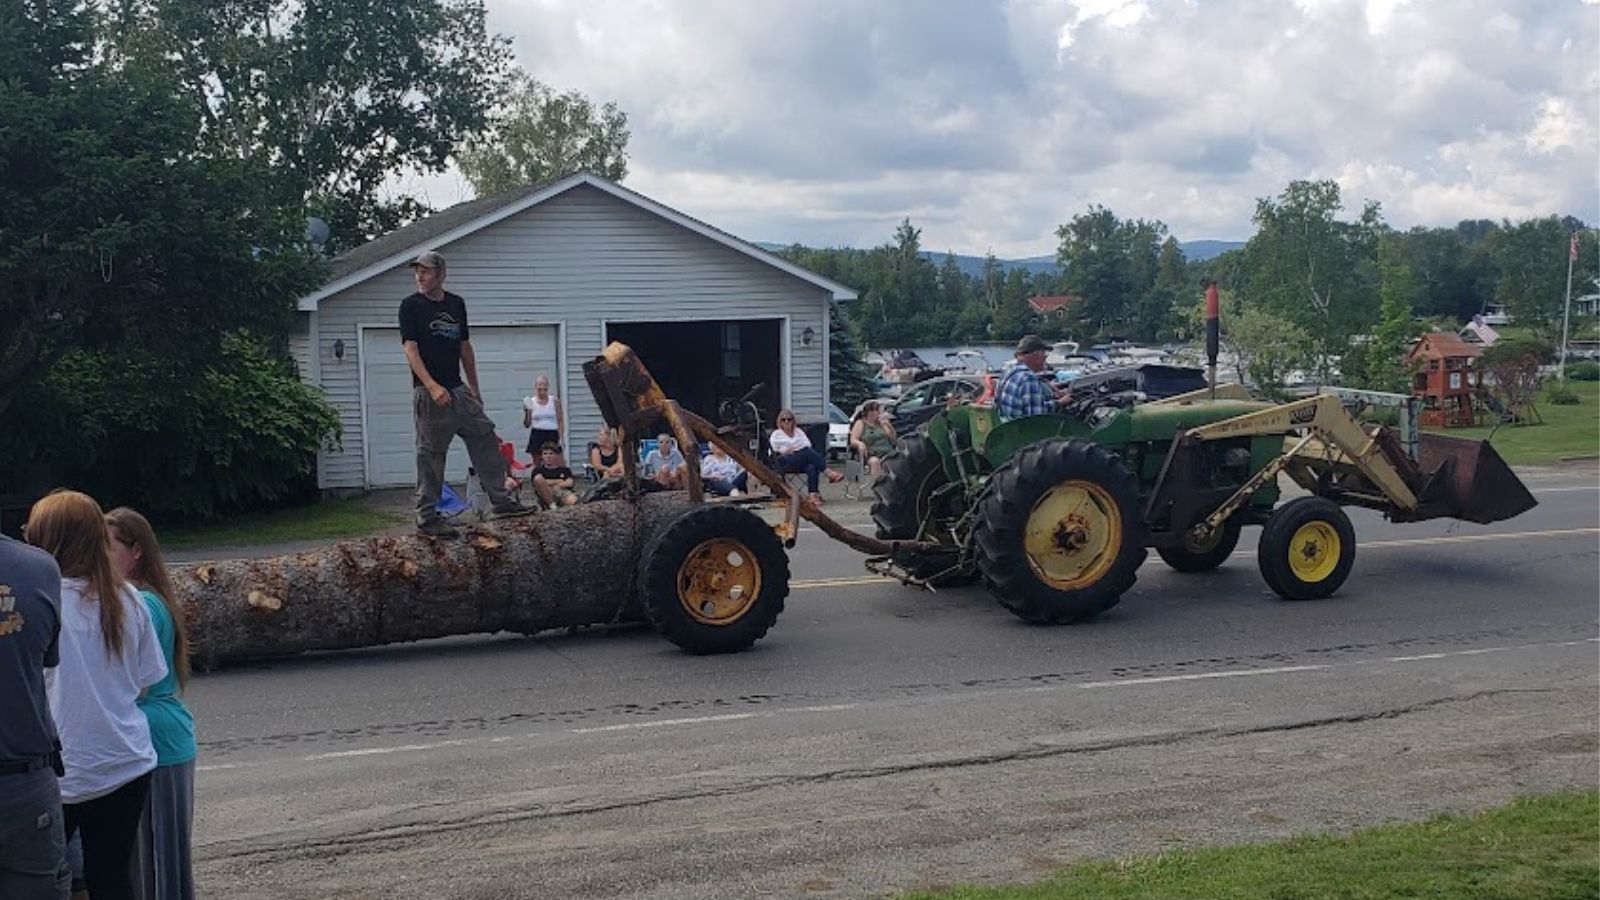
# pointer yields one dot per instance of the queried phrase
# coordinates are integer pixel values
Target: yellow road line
(860, 580)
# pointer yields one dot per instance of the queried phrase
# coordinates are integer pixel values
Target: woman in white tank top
(542, 414)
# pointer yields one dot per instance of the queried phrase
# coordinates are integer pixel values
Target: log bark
(561, 568)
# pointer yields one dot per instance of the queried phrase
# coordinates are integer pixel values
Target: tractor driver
(1021, 391)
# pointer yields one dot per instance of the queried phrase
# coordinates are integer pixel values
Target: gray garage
(551, 273)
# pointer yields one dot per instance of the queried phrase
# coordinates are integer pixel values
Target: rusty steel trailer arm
(1322, 418)
(630, 399)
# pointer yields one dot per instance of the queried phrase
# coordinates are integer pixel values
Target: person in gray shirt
(33, 863)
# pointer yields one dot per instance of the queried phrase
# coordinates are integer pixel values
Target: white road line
(666, 723)
(1566, 490)
(1201, 676)
(694, 721)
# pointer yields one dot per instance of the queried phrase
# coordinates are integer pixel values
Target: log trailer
(1055, 513)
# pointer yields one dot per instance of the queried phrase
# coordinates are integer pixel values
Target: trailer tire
(714, 581)
(1023, 532)
(1187, 557)
(1307, 549)
(901, 497)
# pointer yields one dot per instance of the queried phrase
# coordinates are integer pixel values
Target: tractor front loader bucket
(1466, 479)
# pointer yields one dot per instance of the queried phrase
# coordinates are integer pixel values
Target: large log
(566, 567)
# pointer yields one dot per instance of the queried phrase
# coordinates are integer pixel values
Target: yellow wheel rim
(719, 581)
(1314, 551)
(1073, 535)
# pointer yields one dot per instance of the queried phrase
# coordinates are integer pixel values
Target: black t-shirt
(438, 327)
(551, 473)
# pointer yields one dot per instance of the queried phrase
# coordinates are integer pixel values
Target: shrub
(241, 433)
(1584, 371)
(1561, 395)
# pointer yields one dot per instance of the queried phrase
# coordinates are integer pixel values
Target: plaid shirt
(1022, 394)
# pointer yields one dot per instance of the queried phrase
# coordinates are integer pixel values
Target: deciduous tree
(539, 134)
(330, 101)
(1307, 267)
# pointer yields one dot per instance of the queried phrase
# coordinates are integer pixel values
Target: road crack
(378, 839)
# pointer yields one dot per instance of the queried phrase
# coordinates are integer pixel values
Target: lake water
(997, 355)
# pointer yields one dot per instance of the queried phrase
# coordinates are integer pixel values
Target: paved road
(882, 739)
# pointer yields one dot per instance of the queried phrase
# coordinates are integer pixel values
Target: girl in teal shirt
(162, 856)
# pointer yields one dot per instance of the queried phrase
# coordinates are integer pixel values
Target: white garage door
(509, 357)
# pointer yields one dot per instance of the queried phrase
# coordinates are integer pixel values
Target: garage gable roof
(403, 244)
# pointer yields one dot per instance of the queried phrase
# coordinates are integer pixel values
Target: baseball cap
(1031, 343)
(428, 259)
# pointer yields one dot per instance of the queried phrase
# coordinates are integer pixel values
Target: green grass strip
(1568, 431)
(1539, 848)
(325, 520)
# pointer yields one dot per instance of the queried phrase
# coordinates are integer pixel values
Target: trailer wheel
(1059, 537)
(1193, 557)
(1307, 549)
(714, 581)
(904, 499)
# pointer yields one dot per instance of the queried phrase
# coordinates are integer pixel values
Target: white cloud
(990, 122)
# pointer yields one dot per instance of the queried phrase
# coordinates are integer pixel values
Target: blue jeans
(722, 487)
(806, 460)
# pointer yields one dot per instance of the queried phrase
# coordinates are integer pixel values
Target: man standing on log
(433, 331)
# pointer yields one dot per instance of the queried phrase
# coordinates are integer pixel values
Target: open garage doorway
(701, 364)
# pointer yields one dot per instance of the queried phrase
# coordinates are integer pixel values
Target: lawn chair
(856, 484)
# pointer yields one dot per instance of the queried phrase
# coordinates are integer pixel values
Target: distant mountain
(1195, 251)
(973, 265)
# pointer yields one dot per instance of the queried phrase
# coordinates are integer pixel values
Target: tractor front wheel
(1307, 549)
(1059, 537)
(1194, 556)
(714, 581)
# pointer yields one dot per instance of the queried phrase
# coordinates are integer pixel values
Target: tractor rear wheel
(714, 581)
(906, 499)
(1059, 536)
(1191, 556)
(1307, 549)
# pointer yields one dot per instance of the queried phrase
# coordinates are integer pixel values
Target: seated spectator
(605, 457)
(722, 475)
(793, 453)
(552, 480)
(665, 464)
(871, 438)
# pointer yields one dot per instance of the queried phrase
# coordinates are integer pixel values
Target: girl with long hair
(162, 853)
(109, 654)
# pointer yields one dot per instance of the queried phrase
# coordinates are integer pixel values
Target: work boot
(437, 528)
(512, 509)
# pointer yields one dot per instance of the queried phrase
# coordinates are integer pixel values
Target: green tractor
(1055, 512)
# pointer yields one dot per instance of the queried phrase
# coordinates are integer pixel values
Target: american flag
(1572, 253)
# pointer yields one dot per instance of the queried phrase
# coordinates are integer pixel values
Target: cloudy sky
(990, 123)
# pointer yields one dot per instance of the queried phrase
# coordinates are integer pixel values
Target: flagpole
(1566, 310)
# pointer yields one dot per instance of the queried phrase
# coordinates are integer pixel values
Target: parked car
(923, 401)
(838, 432)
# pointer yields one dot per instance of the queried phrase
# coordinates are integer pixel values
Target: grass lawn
(1543, 848)
(323, 520)
(1567, 430)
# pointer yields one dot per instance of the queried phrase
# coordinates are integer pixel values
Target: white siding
(578, 260)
